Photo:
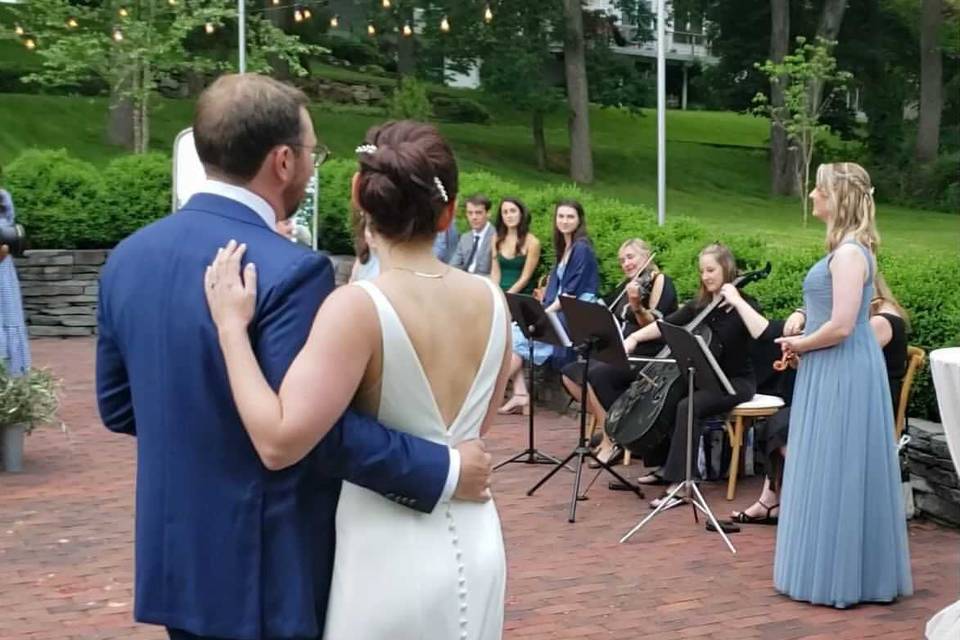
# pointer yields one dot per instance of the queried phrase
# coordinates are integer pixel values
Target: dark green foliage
(458, 109)
(136, 191)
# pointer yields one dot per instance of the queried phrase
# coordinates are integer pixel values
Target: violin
(789, 359)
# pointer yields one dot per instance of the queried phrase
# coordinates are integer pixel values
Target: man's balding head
(240, 118)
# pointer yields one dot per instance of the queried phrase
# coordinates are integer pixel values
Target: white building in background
(686, 46)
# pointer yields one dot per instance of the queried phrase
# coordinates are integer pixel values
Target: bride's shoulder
(349, 304)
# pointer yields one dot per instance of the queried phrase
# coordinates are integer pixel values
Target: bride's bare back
(448, 321)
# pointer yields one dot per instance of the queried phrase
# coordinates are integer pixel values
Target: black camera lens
(15, 238)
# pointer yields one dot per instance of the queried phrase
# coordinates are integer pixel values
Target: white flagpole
(242, 36)
(661, 116)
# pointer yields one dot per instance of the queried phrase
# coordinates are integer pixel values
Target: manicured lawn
(716, 162)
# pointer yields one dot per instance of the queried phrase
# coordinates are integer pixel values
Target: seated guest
(889, 323)
(638, 300)
(473, 252)
(576, 275)
(730, 345)
(516, 251)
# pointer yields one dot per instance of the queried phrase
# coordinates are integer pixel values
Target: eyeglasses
(318, 154)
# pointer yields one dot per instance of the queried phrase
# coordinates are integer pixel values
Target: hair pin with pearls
(366, 148)
(441, 189)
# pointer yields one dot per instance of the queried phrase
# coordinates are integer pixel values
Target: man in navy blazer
(226, 548)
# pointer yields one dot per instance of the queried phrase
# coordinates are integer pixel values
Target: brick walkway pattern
(66, 548)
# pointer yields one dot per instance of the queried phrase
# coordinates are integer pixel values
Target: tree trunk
(146, 82)
(931, 81)
(829, 28)
(539, 141)
(581, 155)
(120, 121)
(135, 113)
(782, 172)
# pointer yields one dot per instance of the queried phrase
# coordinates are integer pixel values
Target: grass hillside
(716, 162)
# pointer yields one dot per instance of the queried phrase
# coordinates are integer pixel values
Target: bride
(423, 347)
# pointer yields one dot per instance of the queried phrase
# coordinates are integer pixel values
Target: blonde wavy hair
(883, 295)
(848, 187)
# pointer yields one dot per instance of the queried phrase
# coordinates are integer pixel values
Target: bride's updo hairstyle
(407, 176)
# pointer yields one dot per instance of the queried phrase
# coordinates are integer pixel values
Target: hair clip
(871, 191)
(441, 189)
(366, 148)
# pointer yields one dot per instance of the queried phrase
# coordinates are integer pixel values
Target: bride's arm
(320, 382)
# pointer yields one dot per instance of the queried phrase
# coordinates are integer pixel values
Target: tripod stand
(583, 315)
(530, 455)
(692, 351)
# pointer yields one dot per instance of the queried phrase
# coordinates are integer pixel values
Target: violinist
(644, 295)
(730, 344)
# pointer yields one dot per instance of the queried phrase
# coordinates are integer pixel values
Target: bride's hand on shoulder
(231, 296)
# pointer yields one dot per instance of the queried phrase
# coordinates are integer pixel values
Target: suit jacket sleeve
(403, 468)
(114, 400)
(460, 256)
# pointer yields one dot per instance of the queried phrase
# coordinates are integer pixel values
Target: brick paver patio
(66, 549)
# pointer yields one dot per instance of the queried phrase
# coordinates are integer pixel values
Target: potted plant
(25, 401)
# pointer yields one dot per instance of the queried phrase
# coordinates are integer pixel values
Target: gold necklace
(421, 274)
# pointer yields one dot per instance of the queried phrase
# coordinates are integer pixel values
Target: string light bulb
(334, 22)
(276, 2)
(386, 4)
(371, 30)
(487, 15)
(307, 14)
(30, 44)
(172, 3)
(445, 25)
(72, 22)
(297, 15)
(407, 31)
(117, 35)
(122, 12)
(17, 29)
(209, 28)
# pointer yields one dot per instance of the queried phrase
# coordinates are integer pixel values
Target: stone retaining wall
(60, 291)
(936, 487)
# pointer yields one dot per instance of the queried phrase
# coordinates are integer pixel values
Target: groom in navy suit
(226, 548)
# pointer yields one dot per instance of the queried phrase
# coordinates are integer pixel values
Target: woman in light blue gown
(842, 537)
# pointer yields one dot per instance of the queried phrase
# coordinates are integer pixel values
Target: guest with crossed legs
(889, 323)
(641, 299)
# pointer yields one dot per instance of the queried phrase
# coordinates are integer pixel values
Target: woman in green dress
(516, 251)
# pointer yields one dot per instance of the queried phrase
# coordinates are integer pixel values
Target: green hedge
(925, 285)
(65, 203)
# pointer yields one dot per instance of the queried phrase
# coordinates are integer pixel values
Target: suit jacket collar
(224, 207)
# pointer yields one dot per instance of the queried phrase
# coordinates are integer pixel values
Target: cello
(637, 420)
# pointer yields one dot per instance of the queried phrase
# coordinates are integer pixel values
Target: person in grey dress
(14, 342)
(842, 537)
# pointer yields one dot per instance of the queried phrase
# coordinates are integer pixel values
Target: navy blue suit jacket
(225, 547)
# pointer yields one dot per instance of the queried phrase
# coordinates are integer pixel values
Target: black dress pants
(705, 405)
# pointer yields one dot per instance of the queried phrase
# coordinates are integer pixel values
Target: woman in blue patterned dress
(842, 537)
(14, 345)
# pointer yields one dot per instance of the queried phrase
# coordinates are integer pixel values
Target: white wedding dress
(404, 575)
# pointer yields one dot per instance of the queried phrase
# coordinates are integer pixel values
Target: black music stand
(534, 323)
(693, 356)
(594, 331)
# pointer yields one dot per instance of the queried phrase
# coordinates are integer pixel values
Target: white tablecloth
(945, 366)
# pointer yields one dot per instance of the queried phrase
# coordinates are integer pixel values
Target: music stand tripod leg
(530, 455)
(696, 499)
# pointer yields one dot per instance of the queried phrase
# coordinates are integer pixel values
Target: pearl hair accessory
(366, 148)
(441, 189)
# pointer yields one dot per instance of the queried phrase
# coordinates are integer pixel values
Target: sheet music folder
(691, 350)
(535, 322)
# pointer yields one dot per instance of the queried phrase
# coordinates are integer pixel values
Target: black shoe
(725, 525)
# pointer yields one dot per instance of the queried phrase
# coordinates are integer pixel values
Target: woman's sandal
(744, 518)
(615, 457)
(652, 479)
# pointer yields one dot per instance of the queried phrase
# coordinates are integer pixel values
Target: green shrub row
(66, 203)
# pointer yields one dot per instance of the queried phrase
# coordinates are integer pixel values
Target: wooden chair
(915, 359)
(759, 406)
